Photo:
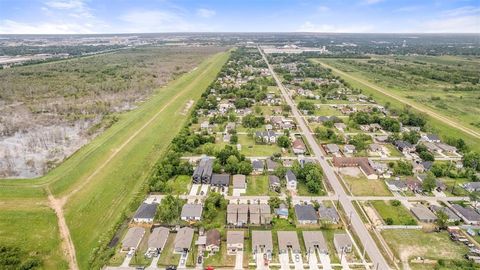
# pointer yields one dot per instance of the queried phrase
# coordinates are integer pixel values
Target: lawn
(124, 156)
(399, 214)
(257, 185)
(252, 149)
(361, 186)
(180, 185)
(167, 257)
(408, 244)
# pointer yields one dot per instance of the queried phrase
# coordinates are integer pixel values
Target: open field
(55, 108)
(103, 178)
(408, 244)
(447, 121)
(257, 185)
(398, 214)
(361, 186)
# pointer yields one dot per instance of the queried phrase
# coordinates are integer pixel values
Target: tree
(169, 209)
(234, 139)
(411, 137)
(472, 160)
(283, 141)
(429, 183)
(442, 219)
(244, 167)
(360, 141)
(403, 168)
(274, 202)
(389, 221)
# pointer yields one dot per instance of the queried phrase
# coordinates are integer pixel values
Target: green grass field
(121, 158)
(399, 214)
(455, 101)
(252, 149)
(257, 185)
(409, 244)
(361, 186)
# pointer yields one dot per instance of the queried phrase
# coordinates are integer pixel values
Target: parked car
(297, 258)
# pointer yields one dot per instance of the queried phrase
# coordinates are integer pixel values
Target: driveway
(325, 259)
(182, 263)
(312, 261)
(204, 189)
(297, 263)
(260, 262)
(154, 263)
(284, 261)
(194, 189)
(344, 262)
(239, 260)
(127, 260)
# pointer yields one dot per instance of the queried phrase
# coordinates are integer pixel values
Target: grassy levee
(104, 177)
(443, 129)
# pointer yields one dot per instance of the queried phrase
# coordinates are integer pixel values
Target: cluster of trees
(472, 160)
(306, 106)
(423, 153)
(310, 174)
(327, 134)
(214, 203)
(429, 183)
(401, 167)
(283, 141)
(360, 141)
(170, 209)
(230, 159)
(252, 121)
(167, 168)
(387, 123)
(12, 258)
(186, 141)
(448, 169)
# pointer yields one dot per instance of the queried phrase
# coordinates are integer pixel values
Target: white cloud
(205, 13)
(371, 2)
(13, 27)
(159, 21)
(330, 28)
(66, 4)
(323, 8)
(462, 11)
(460, 24)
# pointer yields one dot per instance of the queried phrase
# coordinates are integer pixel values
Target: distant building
(314, 240)
(157, 240)
(363, 163)
(203, 172)
(291, 180)
(220, 180)
(213, 241)
(132, 239)
(299, 147)
(258, 166)
(262, 242)
(183, 240)
(191, 212)
(274, 183)
(145, 213)
(328, 214)
(235, 241)
(342, 243)
(423, 214)
(305, 214)
(239, 184)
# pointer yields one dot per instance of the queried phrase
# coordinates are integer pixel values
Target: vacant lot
(257, 185)
(104, 177)
(48, 111)
(399, 215)
(408, 244)
(361, 186)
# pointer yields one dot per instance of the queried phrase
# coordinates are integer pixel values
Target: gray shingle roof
(305, 212)
(146, 211)
(220, 179)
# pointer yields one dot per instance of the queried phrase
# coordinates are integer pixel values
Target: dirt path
(431, 113)
(67, 243)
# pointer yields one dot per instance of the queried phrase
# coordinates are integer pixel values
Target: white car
(297, 258)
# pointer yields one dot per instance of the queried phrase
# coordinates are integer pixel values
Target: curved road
(369, 244)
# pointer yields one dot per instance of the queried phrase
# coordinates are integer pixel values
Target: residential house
(271, 165)
(239, 184)
(268, 136)
(183, 240)
(291, 180)
(332, 149)
(328, 215)
(203, 172)
(298, 146)
(414, 185)
(237, 214)
(288, 240)
(314, 240)
(396, 185)
(452, 217)
(258, 166)
(423, 214)
(156, 241)
(132, 239)
(145, 213)
(213, 241)
(468, 214)
(220, 180)
(274, 183)
(305, 214)
(431, 138)
(262, 242)
(340, 126)
(342, 243)
(235, 241)
(191, 212)
(472, 186)
(404, 146)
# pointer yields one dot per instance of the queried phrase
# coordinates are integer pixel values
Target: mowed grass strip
(398, 214)
(93, 211)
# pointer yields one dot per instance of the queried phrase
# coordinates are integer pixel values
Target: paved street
(356, 222)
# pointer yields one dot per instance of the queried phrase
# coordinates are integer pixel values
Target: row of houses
(371, 169)
(262, 242)
(306, 214)
(254, 214)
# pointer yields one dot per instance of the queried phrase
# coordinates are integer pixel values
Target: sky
(155, 16)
